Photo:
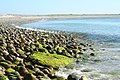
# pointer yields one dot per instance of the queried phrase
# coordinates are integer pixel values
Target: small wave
(33, 29)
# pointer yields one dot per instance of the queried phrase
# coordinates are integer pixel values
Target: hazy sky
(59, 6)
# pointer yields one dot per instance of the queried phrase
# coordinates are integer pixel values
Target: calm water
(103, 26)
(106, 65)
(100, 29)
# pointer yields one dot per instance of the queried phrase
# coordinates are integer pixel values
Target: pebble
(16, 45)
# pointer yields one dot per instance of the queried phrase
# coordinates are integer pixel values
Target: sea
(104, 31)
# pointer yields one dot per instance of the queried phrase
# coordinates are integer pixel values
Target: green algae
(61, 48)
(31, 71)
(13, 78)
(20, 51)
(4, 64)
(37, 44)
(32, 46)
(76, 50)
(48, 59)
(86, 70)
(45, 35)
(46, 51)
(4, 78)
(62, 51)
(10, 70)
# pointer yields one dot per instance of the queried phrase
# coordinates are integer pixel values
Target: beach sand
(20, 19)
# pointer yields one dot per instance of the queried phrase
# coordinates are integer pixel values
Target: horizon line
(63, 14)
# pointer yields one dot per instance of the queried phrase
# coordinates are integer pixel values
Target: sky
(59, 6)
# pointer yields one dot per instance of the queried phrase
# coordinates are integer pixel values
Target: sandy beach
(18, 19)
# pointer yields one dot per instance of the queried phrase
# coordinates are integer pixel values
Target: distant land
(60, 15)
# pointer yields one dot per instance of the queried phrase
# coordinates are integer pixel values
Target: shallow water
(105, 66)
(105, 31)
(99, 29)
(103, 26)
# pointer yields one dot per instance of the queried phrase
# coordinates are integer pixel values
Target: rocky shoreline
(34, 55)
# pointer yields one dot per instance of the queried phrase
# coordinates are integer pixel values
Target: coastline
(22, 50)
(30, 18)
(9, 21)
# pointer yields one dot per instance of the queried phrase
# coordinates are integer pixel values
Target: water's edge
(105, 66)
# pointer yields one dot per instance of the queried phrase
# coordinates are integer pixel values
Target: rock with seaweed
(37, 55)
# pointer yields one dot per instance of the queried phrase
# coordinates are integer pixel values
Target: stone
(13, 78)
(60, 78)
(10, 71)
(46, 71)
(38, 72)
(23, 70)
(83, 77)
(2, 73)
(1, 58)
(3, 77)
(73, 76)
(29, 76)
(5, 64)
(93, 54)
(48, 59)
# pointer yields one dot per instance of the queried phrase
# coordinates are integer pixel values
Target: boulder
(3, 77)
(73, 76)
(83, 77)
(29, 76)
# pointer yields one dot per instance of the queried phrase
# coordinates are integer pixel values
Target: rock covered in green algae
(21, 48)
(62, 51)
(10, 70)
(48, 59)
(3, 77)
(20, 51)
